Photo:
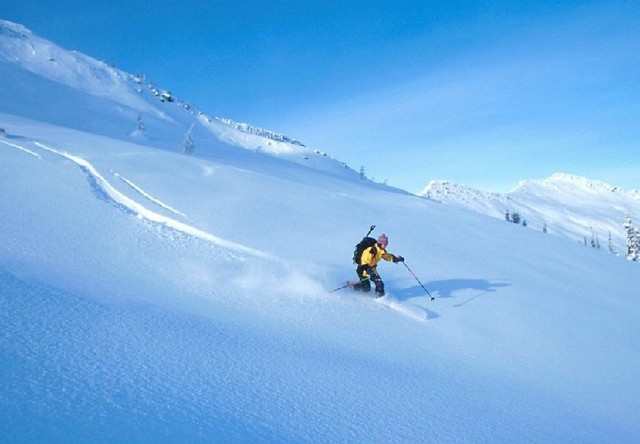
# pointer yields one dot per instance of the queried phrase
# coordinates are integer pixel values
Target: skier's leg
(380, 288)
(364, 284)
(377, 280)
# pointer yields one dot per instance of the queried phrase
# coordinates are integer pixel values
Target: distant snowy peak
(571, 181)
(491, 204)
(551, 184)
(445, 188)
(569, 205)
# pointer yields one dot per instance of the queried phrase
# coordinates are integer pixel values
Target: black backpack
(365, 243)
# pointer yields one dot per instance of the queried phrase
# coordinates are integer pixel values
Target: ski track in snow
(150, 197)
(21, 148)
(415, 313)
(144, 213)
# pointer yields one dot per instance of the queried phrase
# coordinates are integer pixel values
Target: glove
(397, 259)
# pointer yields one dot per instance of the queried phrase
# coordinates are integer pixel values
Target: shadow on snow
(447, 289)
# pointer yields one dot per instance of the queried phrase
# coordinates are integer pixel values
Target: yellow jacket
(372, 255)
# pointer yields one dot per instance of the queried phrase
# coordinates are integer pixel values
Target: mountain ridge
(109, 101)
(569, 205)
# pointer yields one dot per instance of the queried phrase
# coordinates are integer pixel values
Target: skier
(367, 261)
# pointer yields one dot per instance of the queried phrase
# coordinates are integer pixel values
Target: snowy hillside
(152, 296)
(570, 206)
(44, 81)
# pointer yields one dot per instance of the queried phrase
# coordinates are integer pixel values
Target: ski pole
(373, 227)
(416, 277)
(348, 284)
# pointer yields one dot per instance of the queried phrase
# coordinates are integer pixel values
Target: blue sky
(479, 92)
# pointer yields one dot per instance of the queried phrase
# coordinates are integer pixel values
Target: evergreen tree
(140, 129)
(524, 222)
(628, 227)
(593, 239)
(188, 146)
(633, 240)
(507, 216)
(612, 250)
(544, 228)
(363, 176)
(515, 218)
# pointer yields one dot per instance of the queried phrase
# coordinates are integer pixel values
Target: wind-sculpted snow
(21, 148)
(144, 213)
(112, 333)
(146, 195)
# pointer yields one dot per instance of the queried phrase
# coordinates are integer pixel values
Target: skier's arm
(388, 257)
(392, 258)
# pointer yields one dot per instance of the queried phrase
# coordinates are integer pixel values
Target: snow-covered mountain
(152, 296)
(569, 205)
(67, 88)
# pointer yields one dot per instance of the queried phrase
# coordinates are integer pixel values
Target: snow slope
(123, 327)
(44, 81)
(190, 303)
(571, 206)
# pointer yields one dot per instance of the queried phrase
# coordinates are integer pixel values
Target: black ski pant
(365, 280)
